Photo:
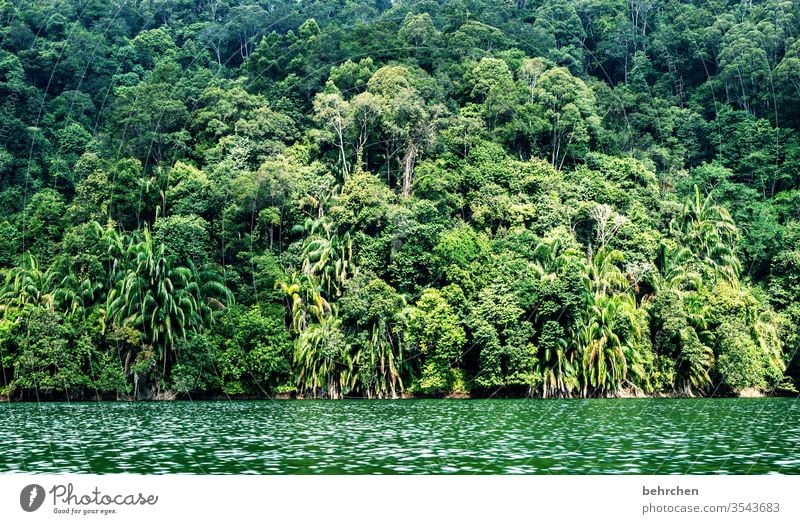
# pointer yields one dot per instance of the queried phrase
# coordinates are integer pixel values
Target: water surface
(643, 436)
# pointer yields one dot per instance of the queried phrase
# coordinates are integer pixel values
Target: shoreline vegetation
(376, 199)
(168, 396)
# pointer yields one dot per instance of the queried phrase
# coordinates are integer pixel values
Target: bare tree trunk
(128, 357)
(556, 145)
(340, 136)
(219, 58)
(408, 169)
(388, 165)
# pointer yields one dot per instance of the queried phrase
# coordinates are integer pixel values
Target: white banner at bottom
(400, 499)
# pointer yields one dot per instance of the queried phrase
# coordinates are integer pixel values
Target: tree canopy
(381, 199)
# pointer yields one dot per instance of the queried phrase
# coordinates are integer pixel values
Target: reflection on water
(415, 436)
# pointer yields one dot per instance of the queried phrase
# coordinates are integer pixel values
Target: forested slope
(377, 199)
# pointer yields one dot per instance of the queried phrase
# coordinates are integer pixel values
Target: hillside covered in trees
(367, 198)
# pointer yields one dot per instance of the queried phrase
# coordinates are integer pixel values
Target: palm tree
(673, 270)
(319, 203)
(328, 256)
(156, 298)
(709, 231)
(557, 358)
(379, 362)
(766, 334)
(557, 365)
(603, 346)
(77, 294)
(678, 280)
(694, 357)
(607, 337)
(304, 301)
(291, 291)
(27, 286)
(322, 360)
(694, 362)
(603, 274)
(213, 294)
(550, 257)
(117, 251)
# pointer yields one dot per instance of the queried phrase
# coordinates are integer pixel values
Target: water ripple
(418, 436)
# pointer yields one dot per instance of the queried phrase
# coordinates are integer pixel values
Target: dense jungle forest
(367, 198)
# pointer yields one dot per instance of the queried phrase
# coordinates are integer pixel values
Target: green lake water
(644, 436)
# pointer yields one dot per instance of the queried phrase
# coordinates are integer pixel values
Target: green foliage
(185, 238)
(252, 356)
(433, 198)
(435, 331)
(45, 361)
(740, 362)
(503, 337)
